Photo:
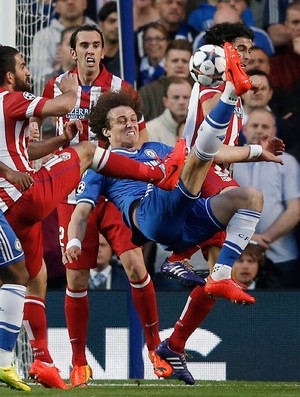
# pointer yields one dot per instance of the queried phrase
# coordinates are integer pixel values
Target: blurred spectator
(285, 66)
(108, 274)
(46, 41)
(257, 8)
(155, 40)
(109, 24)
(280, 185)
(259, 60)
(285, 126)
(144, 12)
(232, 12)
(177, 59)
(202, 18)
(171, 15)
(248, 269)
(164, 128)
(67, 62)
(274, 22)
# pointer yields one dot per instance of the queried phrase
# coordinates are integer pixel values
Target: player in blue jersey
(177, 219)
(13, 286)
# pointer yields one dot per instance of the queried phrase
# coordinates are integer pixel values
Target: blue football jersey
(122, 192)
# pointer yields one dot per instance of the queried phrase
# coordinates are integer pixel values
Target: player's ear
(73, 54)
(106, 132)
(9, 77)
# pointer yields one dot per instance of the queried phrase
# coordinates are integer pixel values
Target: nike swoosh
(150, 325)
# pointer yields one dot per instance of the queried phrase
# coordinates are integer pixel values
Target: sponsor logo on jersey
(78, 114)
(28, 95)
(150, 153)
(65, 156)
(18, 245)
(80, 188)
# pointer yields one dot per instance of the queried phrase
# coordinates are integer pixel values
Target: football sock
(239, 232)
(144, 300)
(12, 298)
(212, 131)
(115, 165)
(35, 324)
(196, 309)
(77, 317)
(180, 256)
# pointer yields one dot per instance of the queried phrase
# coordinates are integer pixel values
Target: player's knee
(252, 198)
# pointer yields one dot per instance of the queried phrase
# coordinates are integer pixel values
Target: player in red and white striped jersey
(51, 183)
(87, 49)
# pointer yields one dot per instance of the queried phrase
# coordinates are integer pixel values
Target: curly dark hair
(222, 32)
(109, 100)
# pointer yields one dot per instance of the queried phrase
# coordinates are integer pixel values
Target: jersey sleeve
(22, 105)
(90, 188)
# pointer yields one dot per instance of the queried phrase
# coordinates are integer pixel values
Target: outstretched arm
(76, 231)
(270, 149)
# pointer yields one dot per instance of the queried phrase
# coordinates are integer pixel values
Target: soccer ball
(207, 65)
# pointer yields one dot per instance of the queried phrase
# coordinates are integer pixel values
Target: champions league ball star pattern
(207, 65)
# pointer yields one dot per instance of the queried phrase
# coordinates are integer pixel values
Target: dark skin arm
(23, 180)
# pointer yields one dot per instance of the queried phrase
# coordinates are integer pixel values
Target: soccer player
(179, 218)
(13, 286)
(54, 181)
(204, 101)
(87, 49)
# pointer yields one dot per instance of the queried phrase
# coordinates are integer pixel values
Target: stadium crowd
(82, 37)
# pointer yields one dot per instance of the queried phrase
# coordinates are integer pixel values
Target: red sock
(118, 166)
(187, 254)
(196, 310)
(144, 299)
(36, 327)
(77, 317)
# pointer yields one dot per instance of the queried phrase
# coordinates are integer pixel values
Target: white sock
(229, 95)
(220, 272)
(12, 297)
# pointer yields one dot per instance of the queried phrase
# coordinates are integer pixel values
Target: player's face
(259, 60)
(88, 52)
(262, 97)
(177, 63)
(124, 129)
(259, 125)
(243, 47)
(245, 269)
(21, 75)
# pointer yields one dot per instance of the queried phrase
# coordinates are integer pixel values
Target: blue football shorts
(176, 219)
(10, 247)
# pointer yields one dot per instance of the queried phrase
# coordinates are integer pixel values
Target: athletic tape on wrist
(254, 151)
(74, 241)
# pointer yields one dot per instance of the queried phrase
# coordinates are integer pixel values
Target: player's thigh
(114, 229)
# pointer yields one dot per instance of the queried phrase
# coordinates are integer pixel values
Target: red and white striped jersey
(195, 115)
(86, 97)
(15, 110)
